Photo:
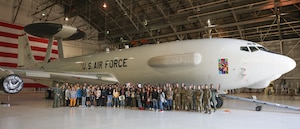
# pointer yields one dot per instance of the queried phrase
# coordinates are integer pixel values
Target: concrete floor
(29, 110)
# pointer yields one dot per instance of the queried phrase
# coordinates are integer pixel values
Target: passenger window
(253, 49)
(244, 48)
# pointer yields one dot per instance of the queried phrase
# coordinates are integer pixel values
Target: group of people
(144, 97)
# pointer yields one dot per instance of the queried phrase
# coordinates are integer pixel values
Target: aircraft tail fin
(25, 56)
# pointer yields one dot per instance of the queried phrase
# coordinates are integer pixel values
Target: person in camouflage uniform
(184, 98)
(199, 97)
(206, 99)
(177, 97)
(189, 96)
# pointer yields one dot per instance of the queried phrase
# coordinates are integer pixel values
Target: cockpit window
(263, 49)
(253, 48)
(244, 48)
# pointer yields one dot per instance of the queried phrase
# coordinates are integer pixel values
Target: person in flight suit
(206, 99)
(57, 93)
(62, 94)
(213, 96)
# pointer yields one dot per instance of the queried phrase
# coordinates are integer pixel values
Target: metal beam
(228, 9)
(292, 28)
(293, 48)
(219, 26)
(120, 3)
(116, 23)
(54, 3)
(166, 18)
(16, 12)
(200, 6)
(236, 20)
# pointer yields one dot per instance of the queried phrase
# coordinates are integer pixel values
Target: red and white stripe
(9, 48)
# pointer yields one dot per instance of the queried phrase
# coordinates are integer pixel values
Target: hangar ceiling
(154, 21)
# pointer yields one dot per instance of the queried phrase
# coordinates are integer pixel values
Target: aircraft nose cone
(287, 64)
(291, 64)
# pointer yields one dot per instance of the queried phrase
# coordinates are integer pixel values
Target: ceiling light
(104, 5)
(208, 21)
(145, 22)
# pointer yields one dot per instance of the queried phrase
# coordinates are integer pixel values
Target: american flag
(9, 48)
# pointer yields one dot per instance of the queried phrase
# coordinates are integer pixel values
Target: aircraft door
(243, 64)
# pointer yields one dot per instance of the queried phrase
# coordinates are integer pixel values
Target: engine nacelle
(11, 84)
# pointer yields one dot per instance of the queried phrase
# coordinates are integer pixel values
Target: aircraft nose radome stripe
(187, 59)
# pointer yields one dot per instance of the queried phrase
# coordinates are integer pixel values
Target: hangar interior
(115, 23)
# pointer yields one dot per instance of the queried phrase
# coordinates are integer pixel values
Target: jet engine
(11, 84)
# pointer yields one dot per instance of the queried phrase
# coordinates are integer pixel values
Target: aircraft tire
(219, 102)
(48, 94)
(258, 108)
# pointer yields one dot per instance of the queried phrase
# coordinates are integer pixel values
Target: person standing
(139, 98)
(57, 95)
(83, 97)
(122, 96)
(206, 99)
(98, 96)
(162, 99)
(127, 97)
(189, 99)
(62, 96)
(116, 95)
(184, 98)
(169, 97)
(213, 96)
(143, 98)
(149, 98)
(177, 97)
(155, 98)
(67, 95)
(73, 97)
(109, 96)
(198, 96)
(103, 99)
(133, 97)
(79, 95)
(88, 96)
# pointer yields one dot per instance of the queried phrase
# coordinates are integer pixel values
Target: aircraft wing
(47, 77)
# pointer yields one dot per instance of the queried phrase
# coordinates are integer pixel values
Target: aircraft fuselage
(203, 61)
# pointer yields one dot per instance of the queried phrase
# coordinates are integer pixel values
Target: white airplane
(232, 63)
